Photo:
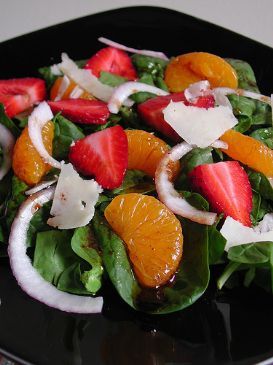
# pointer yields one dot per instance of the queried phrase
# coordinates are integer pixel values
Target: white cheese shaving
(54, 69)
(237, 234)
(74, 200)
(199, 126)
(85, 79)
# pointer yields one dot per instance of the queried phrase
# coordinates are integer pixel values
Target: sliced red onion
(27, 276)
(7, 142)
(194, 91)
(220, 92)
(76, 92)
(37, 120)
(144, 52)
(62, 89)
(123, 91)
(169, 196)
(40, 186)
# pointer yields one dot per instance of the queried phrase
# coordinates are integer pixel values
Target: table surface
(251, 18)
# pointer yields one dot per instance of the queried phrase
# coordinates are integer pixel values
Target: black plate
(227, 327)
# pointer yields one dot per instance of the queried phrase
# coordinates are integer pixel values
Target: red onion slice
(7, 142)
(169, 196)
(197, 89)
(40, 186)
(27, 276)
(37, 120)
(219, 92)
(123, 91)
(144, 52)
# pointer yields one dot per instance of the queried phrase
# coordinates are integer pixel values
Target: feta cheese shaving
(74, 199)
(85, 79)
(237, 234)
(199, 126)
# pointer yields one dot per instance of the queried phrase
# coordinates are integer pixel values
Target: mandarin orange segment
(27, 164)
(151, 233)
(67, 92)
(249, 151)
(192, 67)
(145, 151)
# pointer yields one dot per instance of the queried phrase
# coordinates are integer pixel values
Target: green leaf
(65, 132)
(115, 260)
(264, 135)
(196, 157)
(135, 181)
(226, 274)
(251, 253)
(18, 189)
(142, 96)
(260, 184)
(191, 280)
(245, 73)
(82, 244)
(217, 245)
(151, 65)
(56, 262)
(110, 79)
(7, 122)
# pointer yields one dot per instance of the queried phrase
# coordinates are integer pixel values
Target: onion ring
(37, 120)
(169, 196)
(7, 142)
(123, 91)
(144, 52)
(40, 186)
(27, 276)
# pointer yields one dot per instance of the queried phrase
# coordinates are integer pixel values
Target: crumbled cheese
(237, 234)
(199, 126)
(74, 200)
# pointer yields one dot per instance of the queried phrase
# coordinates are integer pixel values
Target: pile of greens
(80, 260)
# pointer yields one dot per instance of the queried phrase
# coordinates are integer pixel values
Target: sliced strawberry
(102, 154)
(18, 95)
(226, 187)
(151, 111)
(112, 60)
(81, 110)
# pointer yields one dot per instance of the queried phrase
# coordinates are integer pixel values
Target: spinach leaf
(18, 189)
(191, 280)
(65, 132)
(264, 135)
(227, 273)
(196, 157)
(82, 244)
(110, 79)
(260, 184)
(249, 112)
(135, 181)
(251, 253)
(7, 122)
(193, 275)
(216, 245)
(245, 73)
(151, 65)
(56, 262)
(115, 260)
(260, 207)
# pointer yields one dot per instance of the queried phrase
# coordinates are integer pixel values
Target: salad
(140, 170)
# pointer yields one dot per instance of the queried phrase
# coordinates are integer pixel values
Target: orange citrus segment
(249, 151)
(27, 163)
(145, 151)
(152, 234)
(192, 67)
(66, 95)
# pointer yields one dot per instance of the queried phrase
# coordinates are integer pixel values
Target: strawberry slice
(226, 187)
(102, 154)
(112, 60)
(18, 95)
(151, 111)
(81, 110)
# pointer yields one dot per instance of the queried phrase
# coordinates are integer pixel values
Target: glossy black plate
(227, 327)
